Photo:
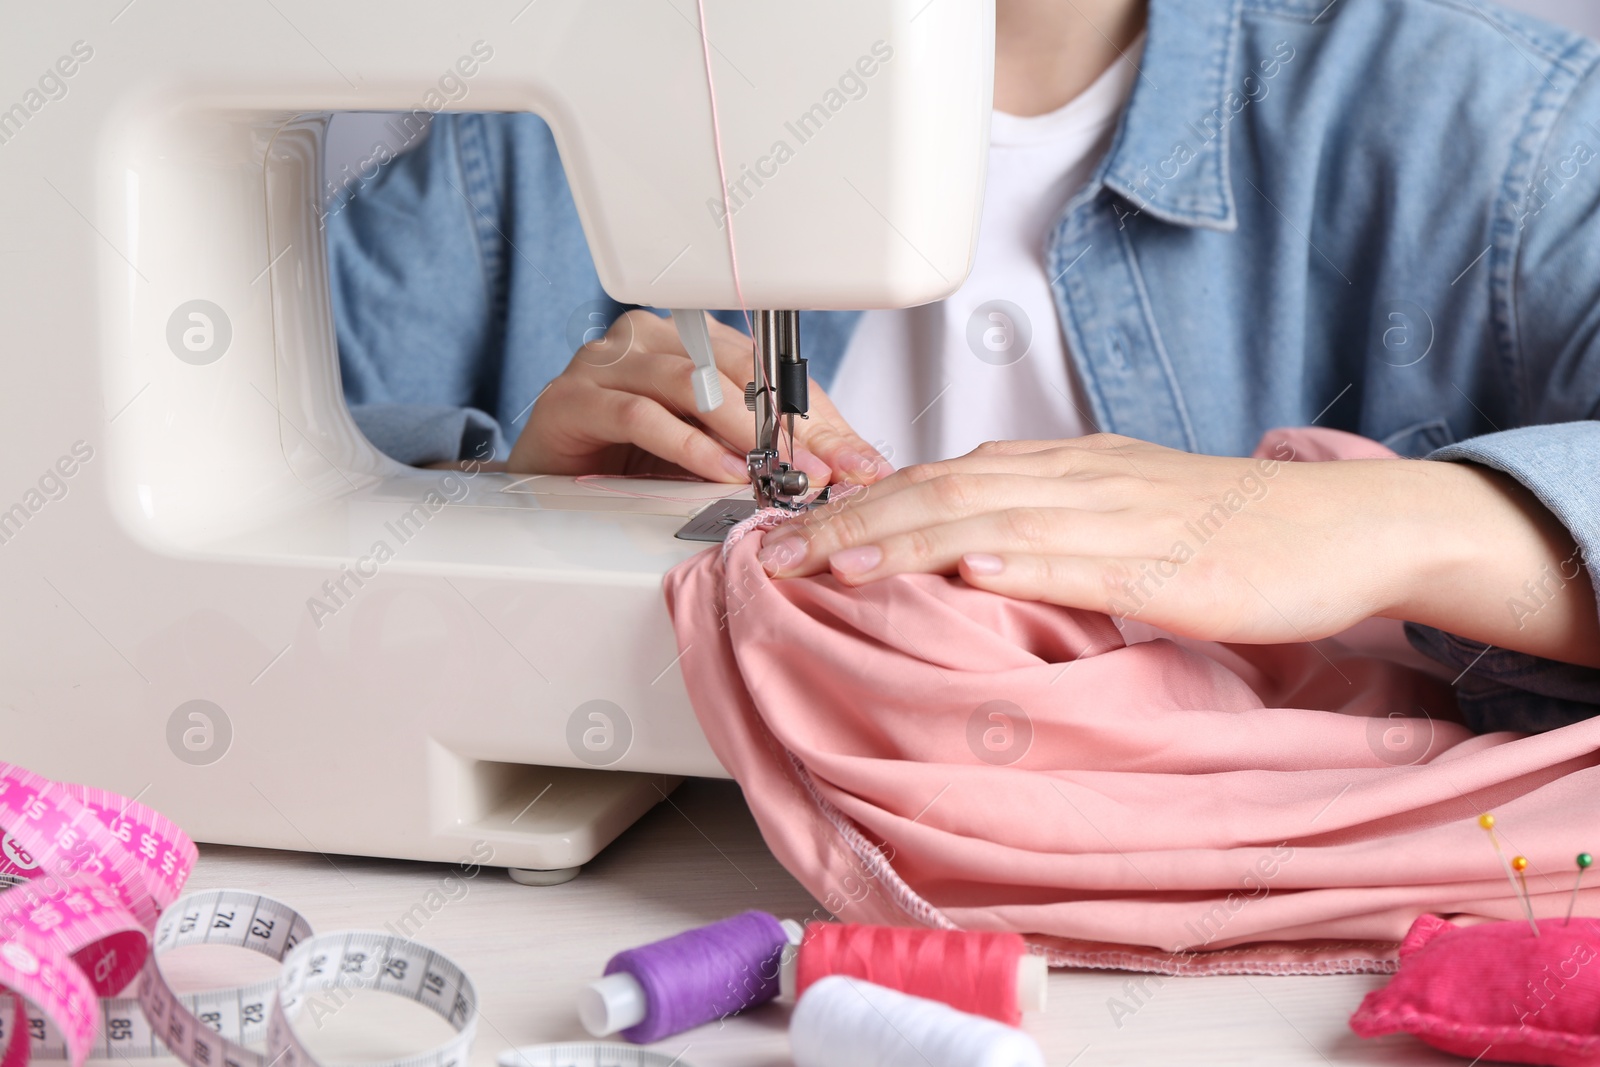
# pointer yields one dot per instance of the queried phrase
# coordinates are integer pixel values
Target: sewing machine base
(573, 816)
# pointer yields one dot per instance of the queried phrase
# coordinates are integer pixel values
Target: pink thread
(585, 480)
(768, 518)
(763, 519)
(971, 970)
(722, 170)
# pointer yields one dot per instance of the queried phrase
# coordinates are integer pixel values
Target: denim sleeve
(1502, 690)
(1547, 320)
(413, 299)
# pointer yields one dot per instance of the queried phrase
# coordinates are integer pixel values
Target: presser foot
(713, 521)
(777, 485)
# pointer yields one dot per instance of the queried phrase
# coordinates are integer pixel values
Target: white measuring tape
(89, 885)
(381, 962)
(86, 876)
(586, 1054)
(215, 1028)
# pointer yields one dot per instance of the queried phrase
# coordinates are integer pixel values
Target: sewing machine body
(216, 593)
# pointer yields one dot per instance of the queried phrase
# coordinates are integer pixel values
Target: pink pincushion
(1495, 992)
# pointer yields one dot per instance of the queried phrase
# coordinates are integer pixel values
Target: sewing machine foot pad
(527, 876)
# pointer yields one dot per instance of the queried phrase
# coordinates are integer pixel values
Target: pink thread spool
(984, 973)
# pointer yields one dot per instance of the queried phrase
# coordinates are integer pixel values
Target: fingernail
(983, 563)
(853, 462)
(811, 463)
(778, 553)
(858, 560)
(850, 462)
(735, 466)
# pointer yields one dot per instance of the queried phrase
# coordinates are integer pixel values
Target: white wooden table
(695, 860)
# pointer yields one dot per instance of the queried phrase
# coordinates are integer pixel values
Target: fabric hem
(1379, 960)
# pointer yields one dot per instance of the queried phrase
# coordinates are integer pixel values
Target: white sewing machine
(181, 483)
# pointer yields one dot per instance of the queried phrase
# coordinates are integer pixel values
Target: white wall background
(353, 137)
(1581, 15)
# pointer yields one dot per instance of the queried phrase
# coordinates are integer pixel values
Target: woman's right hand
(625, 405)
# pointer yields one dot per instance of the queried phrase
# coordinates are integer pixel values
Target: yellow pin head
(1486, 821)
(1519, 863)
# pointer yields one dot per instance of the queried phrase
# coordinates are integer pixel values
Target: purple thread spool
(676, 984)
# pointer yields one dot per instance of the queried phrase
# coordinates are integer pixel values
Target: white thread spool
(845, 1022)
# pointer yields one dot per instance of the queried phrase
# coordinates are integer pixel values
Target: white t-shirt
(912, 381)
(988, 363)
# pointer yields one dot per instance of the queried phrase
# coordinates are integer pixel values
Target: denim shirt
(1381, 216)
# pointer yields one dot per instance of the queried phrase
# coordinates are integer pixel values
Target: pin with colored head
(1520, 865)
(1487, 821)
(1585, 861)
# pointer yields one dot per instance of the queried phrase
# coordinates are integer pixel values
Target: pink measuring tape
(90, 873)
(90, 903)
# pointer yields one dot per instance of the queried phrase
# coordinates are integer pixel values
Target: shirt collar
(1170, 155)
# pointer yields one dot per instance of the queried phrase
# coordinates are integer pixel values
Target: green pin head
(1585, 861)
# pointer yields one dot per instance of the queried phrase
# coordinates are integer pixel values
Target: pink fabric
(1494, 992)
(1178, 806)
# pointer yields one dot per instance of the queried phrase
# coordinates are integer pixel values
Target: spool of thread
(700, 975)
(845, 1022)
(989, 974)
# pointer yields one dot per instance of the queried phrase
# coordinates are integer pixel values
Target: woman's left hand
(1252, 550)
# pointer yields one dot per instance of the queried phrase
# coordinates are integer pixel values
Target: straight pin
(1486, 820)
(1520, 865)
(1585, 861)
